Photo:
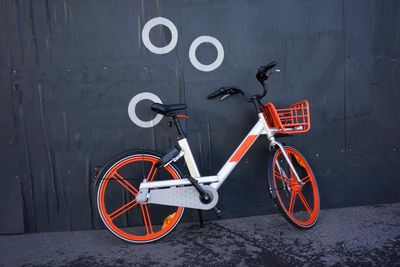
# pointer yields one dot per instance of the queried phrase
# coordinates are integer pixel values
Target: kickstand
(201, 218)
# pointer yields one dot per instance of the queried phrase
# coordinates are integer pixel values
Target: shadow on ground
(367, 236)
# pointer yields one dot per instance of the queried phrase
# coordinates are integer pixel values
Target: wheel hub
(295, 186)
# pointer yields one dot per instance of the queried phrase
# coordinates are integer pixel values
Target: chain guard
(187, 197)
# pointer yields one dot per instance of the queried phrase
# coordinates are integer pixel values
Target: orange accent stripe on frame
(243, 148)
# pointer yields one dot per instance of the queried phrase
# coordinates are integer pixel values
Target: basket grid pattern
(292, 120)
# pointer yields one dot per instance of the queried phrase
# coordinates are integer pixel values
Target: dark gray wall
(69, 69)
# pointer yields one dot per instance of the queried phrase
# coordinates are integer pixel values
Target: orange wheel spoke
(115, 214)
(306, 179)
(305, 203)
(122, 181)
(292, 200)
(300, 207)
(146, 218)
(280, 177)
(118, 215)
(152, 173)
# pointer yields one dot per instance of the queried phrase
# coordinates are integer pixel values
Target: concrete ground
(360, 236)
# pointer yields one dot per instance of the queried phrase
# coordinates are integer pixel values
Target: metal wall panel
(70, 68)
(372, 98)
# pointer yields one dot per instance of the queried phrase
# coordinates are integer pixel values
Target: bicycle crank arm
(187, 197)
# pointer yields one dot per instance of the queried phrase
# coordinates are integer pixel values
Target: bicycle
(139, 181)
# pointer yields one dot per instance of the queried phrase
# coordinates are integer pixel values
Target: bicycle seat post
(176, 122)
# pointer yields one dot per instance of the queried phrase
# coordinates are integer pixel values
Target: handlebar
(225, 92)
(263, 73)
(269, 66)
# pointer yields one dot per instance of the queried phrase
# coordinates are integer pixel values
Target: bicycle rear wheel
(298, 204)
(116, 198)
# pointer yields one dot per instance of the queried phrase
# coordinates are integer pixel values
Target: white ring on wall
(132, 110)
(146, 35)
(192, 53)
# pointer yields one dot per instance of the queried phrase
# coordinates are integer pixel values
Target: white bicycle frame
(260, 128)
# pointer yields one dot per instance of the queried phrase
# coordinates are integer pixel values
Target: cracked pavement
(367, 236)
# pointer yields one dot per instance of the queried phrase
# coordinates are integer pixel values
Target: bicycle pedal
(218, 212)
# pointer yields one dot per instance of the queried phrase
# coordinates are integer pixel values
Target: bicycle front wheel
(116, 198)
(298, 203)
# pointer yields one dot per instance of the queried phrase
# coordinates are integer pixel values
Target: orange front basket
(293, 120)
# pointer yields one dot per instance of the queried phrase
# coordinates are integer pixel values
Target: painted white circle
(192, 53)
(146, 35)
(132, 110)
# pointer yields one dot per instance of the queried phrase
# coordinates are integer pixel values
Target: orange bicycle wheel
(298, 203)
(116, 198)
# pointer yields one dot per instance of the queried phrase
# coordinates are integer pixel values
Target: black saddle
(166, 109)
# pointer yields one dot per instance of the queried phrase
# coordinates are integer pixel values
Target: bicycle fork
(285, 155)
